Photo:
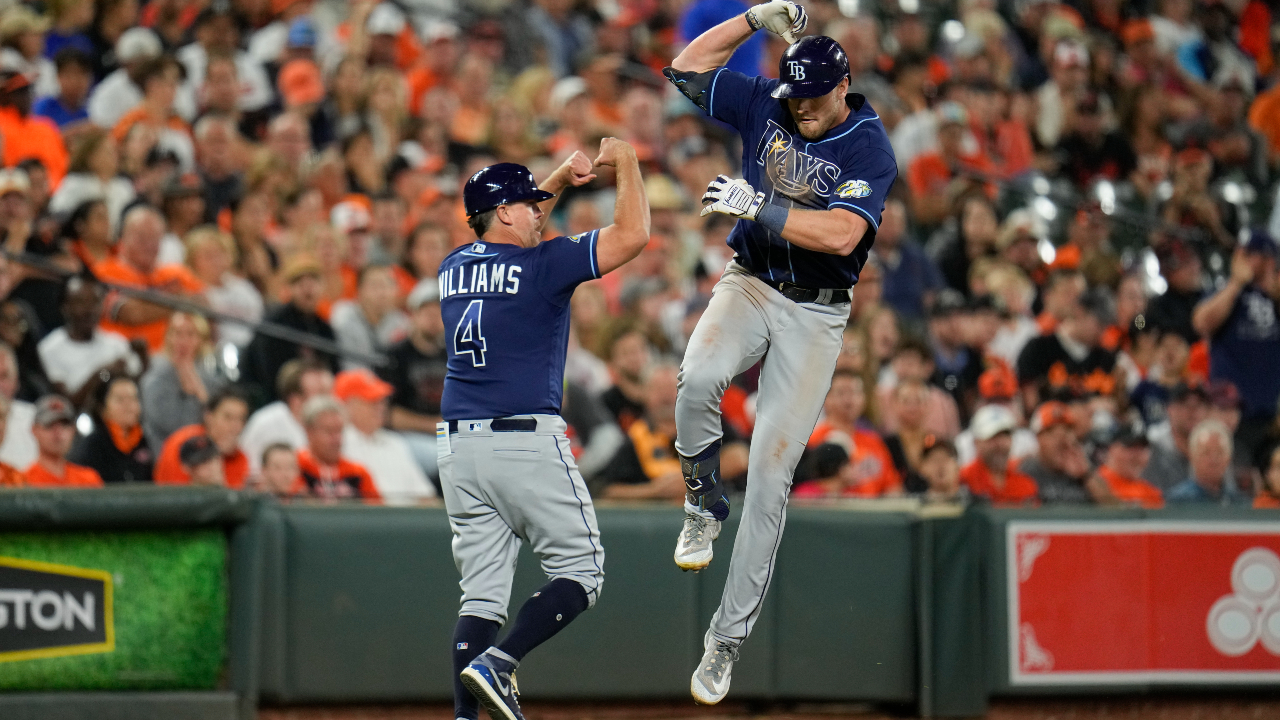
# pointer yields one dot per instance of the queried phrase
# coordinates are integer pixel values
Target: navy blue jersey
(851, 167)
(506, 320)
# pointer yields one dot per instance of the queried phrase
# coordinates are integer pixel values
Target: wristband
(773, 217)
(753, 21)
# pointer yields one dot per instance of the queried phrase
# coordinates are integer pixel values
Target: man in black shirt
(265, 355)
(958, 366)
(1070, 358)
(1180, 266)
(417, 370)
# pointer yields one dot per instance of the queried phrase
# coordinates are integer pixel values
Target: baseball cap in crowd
(53, 409)
(991, 420)
(951, 112)
(948, 302)
(1136, 31)
(1223, 395)
(349, 216)
(933, 443)
(1128, 434)
(300, 83)
(18, 20)
(1184, 390)
(1260, 241)
(426, 291)
(14, 180)
(362, 385)
(997, 383)
(1021, 224)
(1050, 415)
(1070, 54)
(12, 81)
(196, 451)
(827, 460)
(138, 44)
(565, 91)
(300, 266)
(302, 34)
(386, 19)
(662, 193)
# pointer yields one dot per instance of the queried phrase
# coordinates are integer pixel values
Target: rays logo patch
(579, 236)
(853, 189)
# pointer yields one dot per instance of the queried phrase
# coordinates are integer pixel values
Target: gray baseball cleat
(693, 548)
(711, 680)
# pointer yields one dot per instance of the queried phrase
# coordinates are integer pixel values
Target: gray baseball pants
(504, 488)
(745, 321)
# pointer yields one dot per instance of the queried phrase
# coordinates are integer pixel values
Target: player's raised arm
(629, 233)
(714, 47)
(575, 171)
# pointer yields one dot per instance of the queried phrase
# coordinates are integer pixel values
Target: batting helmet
(811, 67)
(499, 185)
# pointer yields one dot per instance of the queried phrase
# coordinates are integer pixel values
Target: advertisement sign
(1098, 603)
(49, 610)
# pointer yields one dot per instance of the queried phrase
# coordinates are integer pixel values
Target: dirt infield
(1178, 708)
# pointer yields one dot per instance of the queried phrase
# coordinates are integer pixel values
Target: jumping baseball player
(817, 167)
(507, 473)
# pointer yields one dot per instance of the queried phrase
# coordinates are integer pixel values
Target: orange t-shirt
(73, 476)
(34, 137)
(139, 115)
(166, 278)
(873, 469)
(1132, 490)
(1265, 500)
(345, 480)
(1018, 489)
(929, 174)
(654, 450)
(169, 470)
(11, 476)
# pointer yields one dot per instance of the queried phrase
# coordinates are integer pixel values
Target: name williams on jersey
(804, 178)
(482, 277)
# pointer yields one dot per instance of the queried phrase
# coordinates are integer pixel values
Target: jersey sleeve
(864, 183)
(732, 95)
(566, 262)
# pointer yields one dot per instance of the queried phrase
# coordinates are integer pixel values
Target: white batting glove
(732, 197)
(779, 17)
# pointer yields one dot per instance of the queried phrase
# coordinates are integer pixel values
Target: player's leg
(731, 336)
(484, 549)
(794, 381)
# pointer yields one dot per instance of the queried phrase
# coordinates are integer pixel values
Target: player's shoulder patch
(853, 189)
(579, 236)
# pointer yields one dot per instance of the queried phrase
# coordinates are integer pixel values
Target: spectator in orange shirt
(931, 174)
(26, 135)
(1269, 467)
(325, 473)
(1126, 457)
(647, 466)
(224, 418)
(993, 476)
(54, 430)
(135, 265)
(201, 462)
(871, 471)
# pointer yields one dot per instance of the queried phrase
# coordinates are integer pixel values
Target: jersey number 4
(467, 337)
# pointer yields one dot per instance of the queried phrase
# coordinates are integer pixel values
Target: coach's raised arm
(620, 242)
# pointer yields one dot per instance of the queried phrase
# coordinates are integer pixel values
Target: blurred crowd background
(222, 223)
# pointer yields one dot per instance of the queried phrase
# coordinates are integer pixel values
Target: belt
(504, 425)
(798, 294)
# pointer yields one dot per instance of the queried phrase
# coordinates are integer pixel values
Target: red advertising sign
(1095, 603)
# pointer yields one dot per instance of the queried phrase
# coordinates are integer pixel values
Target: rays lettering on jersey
(480, 278)
(798, 175)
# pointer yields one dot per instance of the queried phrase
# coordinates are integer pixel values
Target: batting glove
(779, 17)
(732, 197)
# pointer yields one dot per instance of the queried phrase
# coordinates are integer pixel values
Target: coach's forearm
(713, 48)
(629, 233)
(836, 232)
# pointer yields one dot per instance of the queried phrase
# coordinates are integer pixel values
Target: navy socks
(471, 636)
(550, 609)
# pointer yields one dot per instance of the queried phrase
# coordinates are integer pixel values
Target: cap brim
(786, 90)
(538, 196)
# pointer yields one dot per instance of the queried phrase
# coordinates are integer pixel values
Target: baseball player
(507, 473)
(817, 167)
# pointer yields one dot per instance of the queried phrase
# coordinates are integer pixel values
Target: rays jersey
(851, 167)
(506, 319)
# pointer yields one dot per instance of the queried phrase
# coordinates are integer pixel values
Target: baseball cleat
(693, 548)
(493, 681)
(711, 680)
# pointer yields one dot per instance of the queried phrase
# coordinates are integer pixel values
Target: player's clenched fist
(779, 17)
(576, 169)
(612, 150)
(732, 197)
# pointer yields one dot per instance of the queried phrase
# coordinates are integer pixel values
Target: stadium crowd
(1071, 297)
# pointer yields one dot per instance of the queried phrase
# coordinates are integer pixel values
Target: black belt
(798, 294)
(504, 425)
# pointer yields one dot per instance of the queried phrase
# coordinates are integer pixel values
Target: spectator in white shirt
(211, 254)
(365, 440)
(371, 323)
(119, 92)
(217, 29)
(75, 354)
(19, 447)
(281, 421)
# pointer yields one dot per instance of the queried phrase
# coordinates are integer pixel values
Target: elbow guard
(693, 85)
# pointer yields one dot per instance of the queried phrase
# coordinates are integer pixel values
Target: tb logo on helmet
(797, 70)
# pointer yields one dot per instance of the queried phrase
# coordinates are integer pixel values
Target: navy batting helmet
(811, 67)
(501, 184)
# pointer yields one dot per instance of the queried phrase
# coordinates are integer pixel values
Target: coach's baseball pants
(501, 488)
(745, 321)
